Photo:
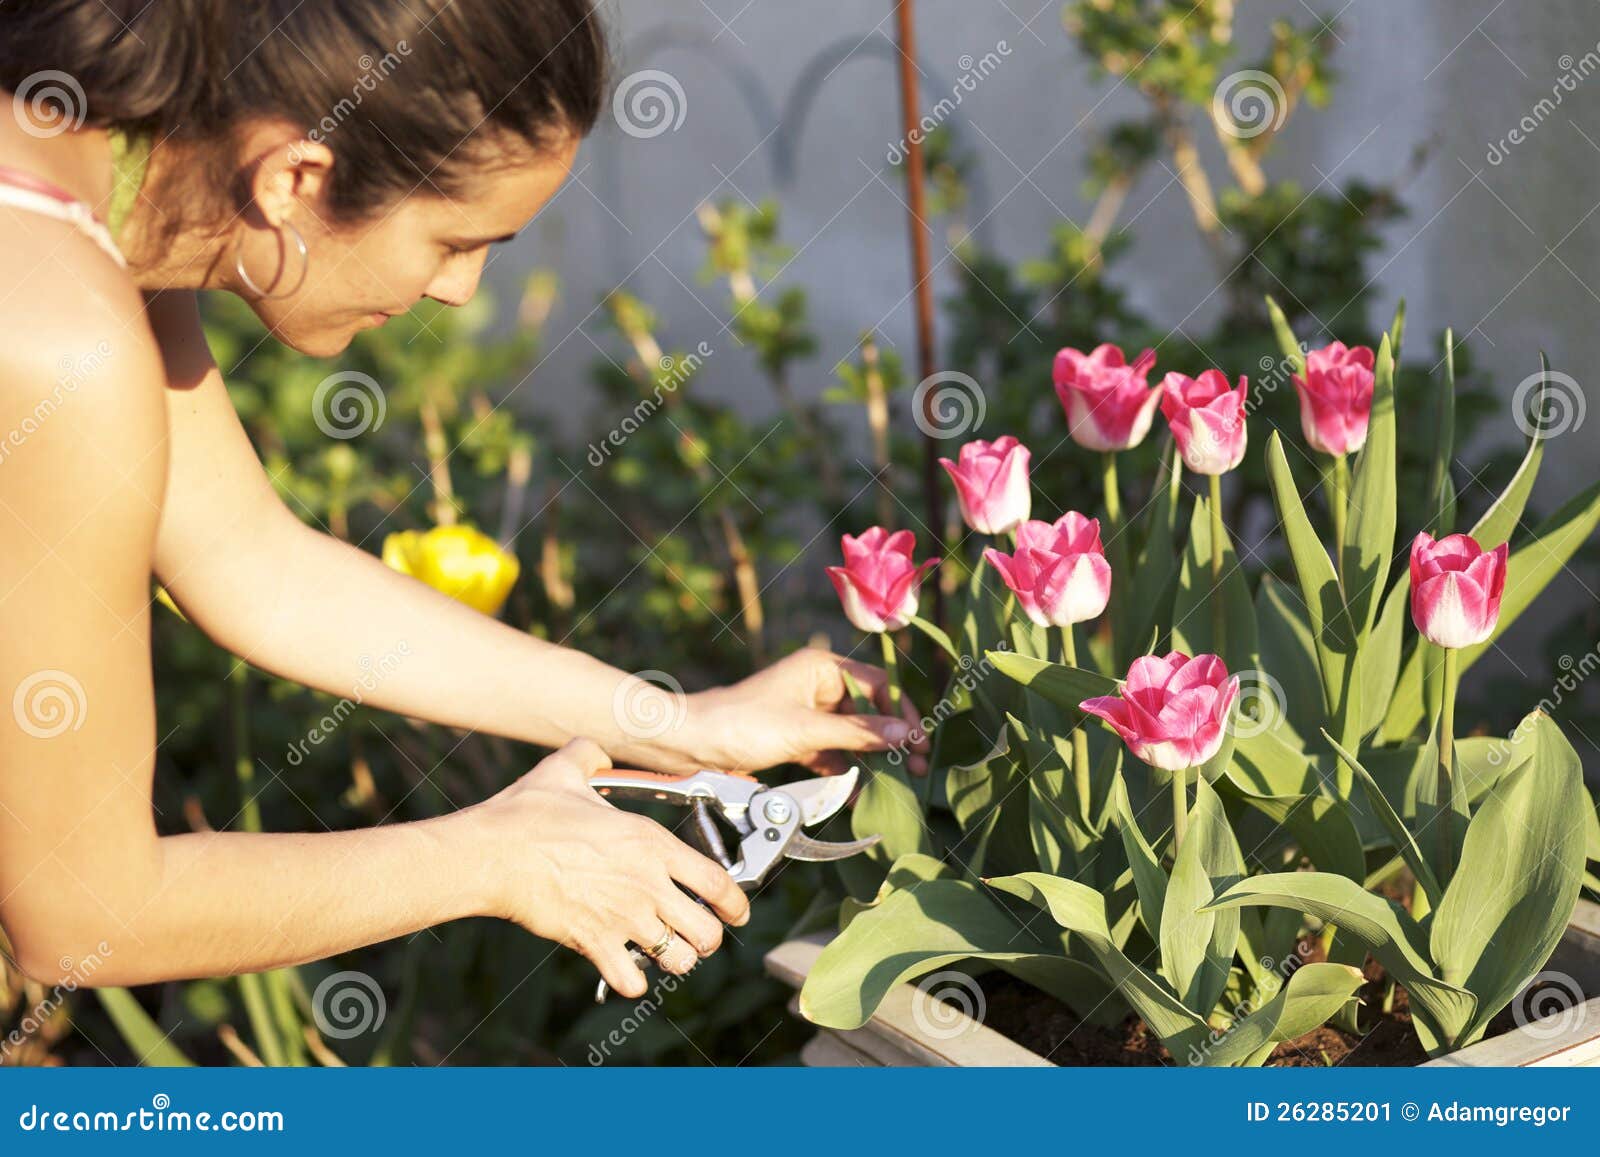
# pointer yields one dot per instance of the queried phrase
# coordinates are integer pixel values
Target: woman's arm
(326, 614)
(82, 864)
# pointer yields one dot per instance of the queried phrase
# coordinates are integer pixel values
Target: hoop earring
(250, 282)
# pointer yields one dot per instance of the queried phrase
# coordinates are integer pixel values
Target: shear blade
(823, 795)
(803, 847)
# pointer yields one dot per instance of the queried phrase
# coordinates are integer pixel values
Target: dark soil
(1043, 1024)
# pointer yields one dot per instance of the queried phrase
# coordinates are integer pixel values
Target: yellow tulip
(459, 561)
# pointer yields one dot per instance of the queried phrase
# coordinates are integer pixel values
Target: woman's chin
(321, 343)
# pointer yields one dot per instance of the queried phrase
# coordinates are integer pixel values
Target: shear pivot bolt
(777, 811)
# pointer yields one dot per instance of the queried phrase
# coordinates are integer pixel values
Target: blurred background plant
(688, 539)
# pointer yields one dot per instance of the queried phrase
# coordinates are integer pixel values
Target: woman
(331, 163)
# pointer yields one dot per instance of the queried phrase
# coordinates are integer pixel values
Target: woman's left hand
(799, 711)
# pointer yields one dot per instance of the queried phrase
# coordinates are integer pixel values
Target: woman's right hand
(573, 868)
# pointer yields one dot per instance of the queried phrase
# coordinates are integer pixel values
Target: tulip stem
(1080, 737)
(1116, 544)
(891, 664)
(1340, 501)
(1219, 618)
(1447, 756)
(1180, 809)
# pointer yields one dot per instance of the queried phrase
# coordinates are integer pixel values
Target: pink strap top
(30, 194)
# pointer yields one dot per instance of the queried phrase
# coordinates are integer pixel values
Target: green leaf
(1314, 993)
(1289, 654)
(1500, 521)
(1193, 625)
(916, 931)
(1397, 328)
(1319, 587)
(144, 1038)
(908, 871)
(1288, 344)
(888, 807)
(1383, 927)
(1379, 656)
(1519, 874)
(936, 633)
(1062, 685)
(1149, 879)
(1404, 843)
(1528, 571)
(978, 792)
(1197, 944)
(1266, 763)
(1370, 544)
(1441, 491)
(1154, 578)
(1081, 911)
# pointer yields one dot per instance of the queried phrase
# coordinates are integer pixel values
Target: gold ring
(655, 950)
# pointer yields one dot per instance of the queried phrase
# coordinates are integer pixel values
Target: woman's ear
(288, 171)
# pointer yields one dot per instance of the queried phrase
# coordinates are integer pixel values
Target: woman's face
(426, 245)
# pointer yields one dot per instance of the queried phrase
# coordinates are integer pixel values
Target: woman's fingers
(676, 956)
(616, 966)
(709, 880)
(696, 925)
(831, 732)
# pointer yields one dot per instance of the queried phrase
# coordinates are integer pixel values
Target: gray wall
(1508, 253)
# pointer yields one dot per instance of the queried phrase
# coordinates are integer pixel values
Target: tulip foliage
(1157, 777)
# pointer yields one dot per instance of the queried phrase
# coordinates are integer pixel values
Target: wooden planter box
(893, 1037)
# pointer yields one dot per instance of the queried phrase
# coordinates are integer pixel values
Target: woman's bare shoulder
(82, 402)
(78, 342)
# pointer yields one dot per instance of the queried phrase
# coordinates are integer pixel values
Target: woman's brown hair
(401, 91)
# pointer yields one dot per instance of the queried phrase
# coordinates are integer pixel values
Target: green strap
(130, 156)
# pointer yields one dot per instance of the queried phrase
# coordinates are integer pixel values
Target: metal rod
(923, 286)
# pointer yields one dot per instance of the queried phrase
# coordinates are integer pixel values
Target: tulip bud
(1456, 588)
(1173, 711)
(1059, 572)
(1108, 403)
(1207, 419)
(1336, 398)
(878, 583)
(992, 484)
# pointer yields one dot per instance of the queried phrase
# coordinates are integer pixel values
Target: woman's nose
(458, 281)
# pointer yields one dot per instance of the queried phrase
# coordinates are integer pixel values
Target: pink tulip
(1207, 419)
(1336, 398)
(1172, 711)
(1456, 588)
(992, 484)
(1059, 572)
(878, 583)
(1109, 403)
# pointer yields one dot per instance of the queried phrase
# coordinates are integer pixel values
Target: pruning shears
(767, 820)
